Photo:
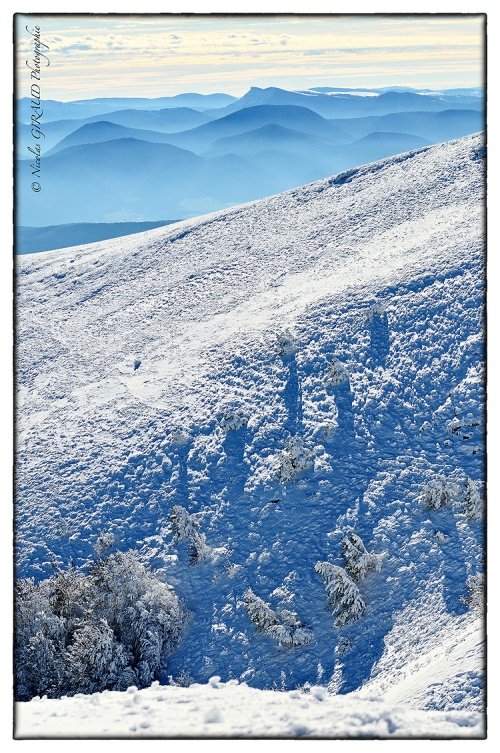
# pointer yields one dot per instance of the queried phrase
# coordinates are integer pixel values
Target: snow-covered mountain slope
(286, 371)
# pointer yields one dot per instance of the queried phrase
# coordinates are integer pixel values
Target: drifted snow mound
(218, 710)
(288, 372)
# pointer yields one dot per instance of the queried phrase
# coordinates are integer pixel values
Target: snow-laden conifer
(285, 627)
(436, 493)
(259, 611)
(287, 344)
(293, 459)
(472, 501)
(337, 373)
(343, 594)
(475, 598)
(185, 528)
(358, 561)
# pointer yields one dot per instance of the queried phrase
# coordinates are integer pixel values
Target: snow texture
(196, 366)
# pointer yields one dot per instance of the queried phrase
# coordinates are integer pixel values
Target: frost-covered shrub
(145, 614)
(233, 421)
(183, 679)
(376, 309)
(82, 633)
(287, 345)
(293, 459)
(185, 528)
(337, 373)
(183, 524)
(105, 542)
(472, 502)
(343, 594)
(358, 561)
(105, 660)
(285, 627)
(259, 612)
(475, 598)
(436, 493)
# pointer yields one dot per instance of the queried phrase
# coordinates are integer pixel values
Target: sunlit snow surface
(176, 366)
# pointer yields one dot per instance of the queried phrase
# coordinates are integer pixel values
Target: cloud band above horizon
(153, 56)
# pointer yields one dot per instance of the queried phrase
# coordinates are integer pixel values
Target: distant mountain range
(84, 108)
(139, 160)
(346, 104)
(30, 240)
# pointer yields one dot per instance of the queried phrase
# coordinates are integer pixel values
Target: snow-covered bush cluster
(233, 421)
(436, 493)
(472, 502)
(358, 561)
(475, 598)
(287, 344)
(337, 373)
(293, 459)
(185, 528)
(344, 597)
(376, 309)
(285, 627)
(82, 633)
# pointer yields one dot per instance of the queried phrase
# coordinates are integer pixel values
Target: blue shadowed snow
(308, 364)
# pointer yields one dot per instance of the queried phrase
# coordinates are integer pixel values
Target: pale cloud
(88, 53)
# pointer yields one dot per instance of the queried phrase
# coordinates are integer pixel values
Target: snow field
(218, 710)
(286, 371)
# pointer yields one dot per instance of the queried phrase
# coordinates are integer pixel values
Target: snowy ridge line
(171, 234)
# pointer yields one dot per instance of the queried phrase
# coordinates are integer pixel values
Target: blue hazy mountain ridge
(102, 130)
(274, 147)
(131, 179)
(346, 105)
(299, 118)
(286, 372)
(167, 120)
(83, 108)
(367, 149)
(126, 178)
(435, 126)
(270, 136)
(31, 240)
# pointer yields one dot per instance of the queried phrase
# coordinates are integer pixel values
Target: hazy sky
(151, 56)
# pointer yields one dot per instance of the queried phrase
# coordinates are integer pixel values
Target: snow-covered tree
(96, 661)
(475, 599)
(436, 493)
(343, 594)
(358, 561)
(293, 459)
(105, 542)
(183, 524)
(110, 628)
(259, 612)
(472, 502)
(337, 373)
(185, 528)
(232, 421)
(287, 344)
(285, 627)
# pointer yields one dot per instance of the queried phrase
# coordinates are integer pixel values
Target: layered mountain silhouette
(138, 159)
(84, 108)
(345, 105)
